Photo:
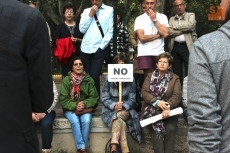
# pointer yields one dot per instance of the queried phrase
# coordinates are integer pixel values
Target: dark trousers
(180, 54)
(65, 68)
(47, 130)
(166, 143)
(94, 63)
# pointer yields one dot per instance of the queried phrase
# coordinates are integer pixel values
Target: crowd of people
(192, 74)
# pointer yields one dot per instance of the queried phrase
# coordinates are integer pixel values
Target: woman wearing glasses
(161, 92)
(78, 93)
(67, 39)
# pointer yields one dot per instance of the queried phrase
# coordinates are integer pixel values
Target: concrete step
(100, 134)
(63, 141)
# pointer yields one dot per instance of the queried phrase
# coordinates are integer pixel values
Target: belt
(180, 43)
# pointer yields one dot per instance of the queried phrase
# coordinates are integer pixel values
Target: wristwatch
(155, 20)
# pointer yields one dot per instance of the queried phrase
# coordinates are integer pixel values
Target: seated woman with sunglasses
(78, 93)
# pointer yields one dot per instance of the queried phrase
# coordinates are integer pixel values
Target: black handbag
(108, 58)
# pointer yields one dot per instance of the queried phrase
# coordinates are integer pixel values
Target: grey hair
(184, 1)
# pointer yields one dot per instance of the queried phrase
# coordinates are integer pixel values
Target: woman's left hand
(80, 106)
(74, 39)
(163, 105)
(165, 113)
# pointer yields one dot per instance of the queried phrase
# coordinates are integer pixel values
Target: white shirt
(156, 47)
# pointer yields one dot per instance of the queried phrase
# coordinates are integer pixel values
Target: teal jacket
(88, 93)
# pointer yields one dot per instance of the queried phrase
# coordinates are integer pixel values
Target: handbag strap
(98, 25)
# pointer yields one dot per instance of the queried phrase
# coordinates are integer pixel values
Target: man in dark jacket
(25, 74)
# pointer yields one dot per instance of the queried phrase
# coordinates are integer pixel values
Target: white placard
(120, 72)
(158, 117)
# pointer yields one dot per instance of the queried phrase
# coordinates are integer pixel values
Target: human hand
(37, 117)
(80, 106)
(74, 40)
(41, 115)
(93, 10)
(118, 106)
(151, 14)
(165, 114)
(163, 105)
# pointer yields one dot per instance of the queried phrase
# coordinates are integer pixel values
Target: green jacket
(88, 93)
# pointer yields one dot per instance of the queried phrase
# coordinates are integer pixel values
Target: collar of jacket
(177, 17)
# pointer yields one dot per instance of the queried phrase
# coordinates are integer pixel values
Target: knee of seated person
(87, 118)
(171, 128)
(46, 123)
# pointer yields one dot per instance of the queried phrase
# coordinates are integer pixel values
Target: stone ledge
(61, 124)
(100, 134)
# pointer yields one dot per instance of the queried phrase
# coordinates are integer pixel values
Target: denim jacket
(109, 98)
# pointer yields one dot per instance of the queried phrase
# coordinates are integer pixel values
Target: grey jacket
(187, 27)
(109, 99)
(209, 93)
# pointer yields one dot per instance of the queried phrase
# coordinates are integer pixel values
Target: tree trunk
(49, 10)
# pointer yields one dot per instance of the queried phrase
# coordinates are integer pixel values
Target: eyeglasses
(162, 62)
(77, 64)
(179, 5)
(68, 12)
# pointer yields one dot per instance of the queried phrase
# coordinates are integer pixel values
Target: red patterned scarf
(76, 80)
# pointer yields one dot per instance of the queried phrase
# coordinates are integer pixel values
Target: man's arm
(85, 21)
(109, 34)
(172, 32)
(204, 133)
(146, 38)
(162, 29)
(188, 26)
(38, 58)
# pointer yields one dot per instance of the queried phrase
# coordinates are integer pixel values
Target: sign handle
(120, 91)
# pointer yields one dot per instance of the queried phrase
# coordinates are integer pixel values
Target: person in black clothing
(26, 80)
(68, 30)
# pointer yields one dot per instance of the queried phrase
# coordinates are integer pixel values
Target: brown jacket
(172, 96)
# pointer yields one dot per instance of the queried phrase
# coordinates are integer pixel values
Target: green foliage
(131, 9)
(201, 10)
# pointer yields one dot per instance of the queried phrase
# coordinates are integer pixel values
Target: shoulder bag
(108, 48)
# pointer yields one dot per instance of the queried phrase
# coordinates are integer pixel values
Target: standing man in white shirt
(151, 28)
(93, 43)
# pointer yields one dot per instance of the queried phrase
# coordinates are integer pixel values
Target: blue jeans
(94, 63)
(80, 128)
(47, 129)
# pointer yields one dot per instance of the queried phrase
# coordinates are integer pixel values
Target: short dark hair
(68, 6)
(74, 59)
(165, 55)
(119, 57)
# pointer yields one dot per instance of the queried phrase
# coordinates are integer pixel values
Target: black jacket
(25, 74)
